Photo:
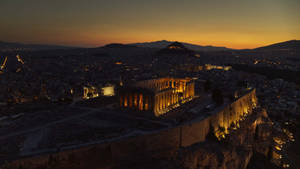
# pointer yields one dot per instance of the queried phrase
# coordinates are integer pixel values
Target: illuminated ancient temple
(157, 95)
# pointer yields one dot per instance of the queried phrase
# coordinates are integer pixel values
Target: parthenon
(157, 95)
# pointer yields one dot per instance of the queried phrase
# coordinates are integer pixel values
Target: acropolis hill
(237, 123)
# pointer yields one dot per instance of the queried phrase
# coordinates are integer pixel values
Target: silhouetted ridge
(119, 45)
(163, 44)
(288, 45)
(175, 48)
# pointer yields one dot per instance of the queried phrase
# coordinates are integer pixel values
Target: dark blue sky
(231, 23)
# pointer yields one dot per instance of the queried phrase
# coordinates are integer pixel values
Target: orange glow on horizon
(228, 44)
(233, 24)
(234, 43)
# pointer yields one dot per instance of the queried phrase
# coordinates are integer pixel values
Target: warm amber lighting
(211, 67)
(90, 92)
(278, 140)
(108, 91)
(277, 147)
(146, 103)
(125, 101)
(174, 47)
(166, 94)
(135, 100)
(4, 63)
(141, 102)
(19, 59)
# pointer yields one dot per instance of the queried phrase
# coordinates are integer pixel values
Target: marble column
(159, 102)
(141, 102)
(135, 97)
(125, 100)
(169, 99)
(146, 104)
(163, 100)
(173, 98)
(156, 103)
(138, 101)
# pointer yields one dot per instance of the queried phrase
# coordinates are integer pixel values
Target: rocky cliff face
(215, 156)
(235, 151)
(246, 146)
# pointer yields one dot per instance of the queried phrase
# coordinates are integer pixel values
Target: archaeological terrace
(157, 95)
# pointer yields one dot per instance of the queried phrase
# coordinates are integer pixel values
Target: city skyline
(234, 24)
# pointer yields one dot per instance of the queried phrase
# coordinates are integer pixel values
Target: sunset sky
(91, 23)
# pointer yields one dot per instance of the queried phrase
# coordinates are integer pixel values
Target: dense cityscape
(54, 100)
(159, 84)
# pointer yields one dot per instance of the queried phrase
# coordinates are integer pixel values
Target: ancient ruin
(157, 95)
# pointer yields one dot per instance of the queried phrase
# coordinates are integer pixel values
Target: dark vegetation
(288, 75)
(217, 96)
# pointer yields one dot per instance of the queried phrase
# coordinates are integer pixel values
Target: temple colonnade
(157, 95)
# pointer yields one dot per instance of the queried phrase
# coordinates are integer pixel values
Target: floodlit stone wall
(194, 132)
(159, 144)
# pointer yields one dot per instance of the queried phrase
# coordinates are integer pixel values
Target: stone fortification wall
(159, 144)
(196, 131)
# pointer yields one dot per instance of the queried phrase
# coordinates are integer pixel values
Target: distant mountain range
(162, 44)
(11, 46)
(14, 46)
(287, 45)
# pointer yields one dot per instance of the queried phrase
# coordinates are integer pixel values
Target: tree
(207, 85)
(222, 129)
(217, 96)
(270, 153)
(211, 134)
(242, 84)
(256, 134)
(231, 97)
